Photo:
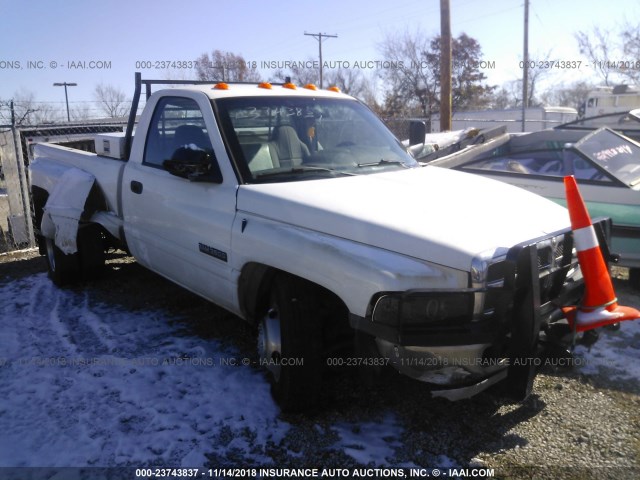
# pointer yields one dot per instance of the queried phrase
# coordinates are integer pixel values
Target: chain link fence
(16, 153)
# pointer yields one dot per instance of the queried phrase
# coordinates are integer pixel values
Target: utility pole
(66, 97)
(319, 37)
(445, 66)
(525, 72)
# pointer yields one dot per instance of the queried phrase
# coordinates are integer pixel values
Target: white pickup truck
(300, 212)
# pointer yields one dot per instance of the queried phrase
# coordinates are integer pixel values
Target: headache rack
(147, 83)
(539, 269)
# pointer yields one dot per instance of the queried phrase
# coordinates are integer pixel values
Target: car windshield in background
(616, 154)
(282, 139)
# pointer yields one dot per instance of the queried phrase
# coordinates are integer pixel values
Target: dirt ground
(573, 426)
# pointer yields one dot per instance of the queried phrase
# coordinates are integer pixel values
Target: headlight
(424, 308)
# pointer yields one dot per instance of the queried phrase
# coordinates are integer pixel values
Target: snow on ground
(100, 386)
(371, 443)
(617, 353)
(90, 384)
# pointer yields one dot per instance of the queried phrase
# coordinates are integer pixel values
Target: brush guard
(540, 290)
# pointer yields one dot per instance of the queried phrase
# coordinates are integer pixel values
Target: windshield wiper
(302, 169)
(384, 162)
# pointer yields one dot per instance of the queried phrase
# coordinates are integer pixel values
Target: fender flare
(65, 207)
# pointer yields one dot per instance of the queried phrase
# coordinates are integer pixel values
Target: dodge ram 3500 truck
(299, 211)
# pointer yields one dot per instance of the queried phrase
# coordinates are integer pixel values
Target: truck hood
(431, 213)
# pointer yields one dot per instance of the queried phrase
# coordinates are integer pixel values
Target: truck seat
(286, 148)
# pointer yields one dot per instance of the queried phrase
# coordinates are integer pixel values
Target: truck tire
(63, 269)
(91, 251)
(290, 343)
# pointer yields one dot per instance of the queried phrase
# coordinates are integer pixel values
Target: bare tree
(80, 113)
(299, 74)
(411, 87)
(535, 77)
(225, 67)
(631, 48)
(509, 95)
(572, 95)
(369, 95)
(112, 100)
(350, 80)
(598, 47)
(27, 110)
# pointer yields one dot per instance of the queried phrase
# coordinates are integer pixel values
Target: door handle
(136, 187)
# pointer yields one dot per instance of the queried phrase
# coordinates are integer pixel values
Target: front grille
(550, 252)
(554, 264)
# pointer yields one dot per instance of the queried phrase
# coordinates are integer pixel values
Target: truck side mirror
(417, 132)
(195, 165)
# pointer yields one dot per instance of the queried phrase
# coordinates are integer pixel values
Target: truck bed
(106, 170)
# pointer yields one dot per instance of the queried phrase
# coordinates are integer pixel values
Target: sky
(43, 42)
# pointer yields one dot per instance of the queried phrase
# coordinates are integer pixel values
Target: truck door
(174, 226)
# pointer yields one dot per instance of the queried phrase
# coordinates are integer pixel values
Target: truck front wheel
(290, 343)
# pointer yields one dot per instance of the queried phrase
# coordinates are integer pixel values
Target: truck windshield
(280, 139)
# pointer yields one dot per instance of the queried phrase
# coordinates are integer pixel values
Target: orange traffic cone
(599, 305)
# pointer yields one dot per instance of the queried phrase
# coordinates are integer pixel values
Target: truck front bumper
(487, 332)
(456, 372)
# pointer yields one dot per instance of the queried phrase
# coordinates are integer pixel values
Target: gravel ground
(573, 426)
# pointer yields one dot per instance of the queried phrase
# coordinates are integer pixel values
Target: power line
(319, 37)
